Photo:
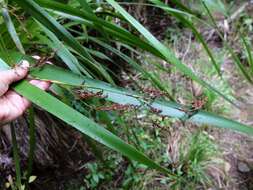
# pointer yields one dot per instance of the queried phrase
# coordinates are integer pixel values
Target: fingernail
(36, 57)
(24, 64)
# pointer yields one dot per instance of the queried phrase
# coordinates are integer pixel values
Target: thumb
(13, 75)
(16, 74)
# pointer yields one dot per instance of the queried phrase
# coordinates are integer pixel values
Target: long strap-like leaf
(48, 21)
(126, 97)
(112, 29)
(168, 55)
(11, 27)
(80, 122)
(190, 25)
(157, 48)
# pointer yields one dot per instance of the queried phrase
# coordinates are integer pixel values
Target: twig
(188, 48)
(237, 12)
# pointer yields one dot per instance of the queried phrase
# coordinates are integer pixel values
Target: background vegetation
(137, 91)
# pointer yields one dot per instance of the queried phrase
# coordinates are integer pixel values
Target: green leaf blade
(168, 55)
(83, 124)
(127, 97)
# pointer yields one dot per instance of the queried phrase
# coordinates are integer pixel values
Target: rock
(243, 167)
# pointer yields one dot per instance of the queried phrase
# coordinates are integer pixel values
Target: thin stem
(32, 141)
(16, 157)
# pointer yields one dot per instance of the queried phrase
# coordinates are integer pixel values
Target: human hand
(12, 105)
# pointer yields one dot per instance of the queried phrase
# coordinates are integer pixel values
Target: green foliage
(129, 98)
(196, 153)
(95, 176)
(216, 6)
(85, 41)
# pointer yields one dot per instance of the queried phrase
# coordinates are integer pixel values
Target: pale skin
(12, 105)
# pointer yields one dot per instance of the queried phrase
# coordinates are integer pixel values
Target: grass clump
(195, 155)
